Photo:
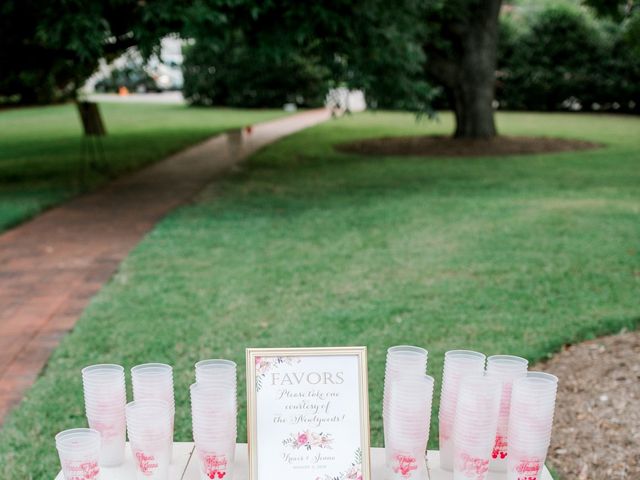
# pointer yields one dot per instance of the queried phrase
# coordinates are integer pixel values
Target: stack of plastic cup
(403, 361)
(150, 437)
(533, 400)
(215, 370)
(458, 364)
(505, 369)
(79, 451)
(154, 381)
(475, 426)
(105, 397)
(214, 418)
(408, 427)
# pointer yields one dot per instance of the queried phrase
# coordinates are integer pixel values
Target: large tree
(460, 43)
(393, 50)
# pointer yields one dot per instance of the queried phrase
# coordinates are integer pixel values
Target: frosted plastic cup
(150, 436)
(154, 381)
(530, 424)
(506, 369)
(105, 398)
(102, 375)
(79, 452)
(113, 432)
(215, 369)
(458, 364)
(402, 361)
(214, 418)
(522, 466)
(216, 463)
(104, 386)
(150, 378)
(208, 397)
(475, 427)
(408, 425)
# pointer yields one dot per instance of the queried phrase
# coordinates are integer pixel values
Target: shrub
(563, 58)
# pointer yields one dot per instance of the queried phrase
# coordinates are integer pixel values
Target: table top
(183, 468)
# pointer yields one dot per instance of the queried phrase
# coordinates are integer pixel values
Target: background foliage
(562, 56)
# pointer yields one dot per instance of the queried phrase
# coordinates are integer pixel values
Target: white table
(183, 469)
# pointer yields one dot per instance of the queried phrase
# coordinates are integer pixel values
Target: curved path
(51, 266)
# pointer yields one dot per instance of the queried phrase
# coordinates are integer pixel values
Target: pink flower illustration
(265, 364)
(308, 440)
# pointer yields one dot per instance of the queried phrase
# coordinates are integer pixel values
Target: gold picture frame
(256, 355)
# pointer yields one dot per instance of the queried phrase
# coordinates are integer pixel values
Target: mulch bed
(440, 146)
(597, 425)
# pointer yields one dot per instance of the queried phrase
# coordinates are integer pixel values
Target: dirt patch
(597, 425)
(440, 146)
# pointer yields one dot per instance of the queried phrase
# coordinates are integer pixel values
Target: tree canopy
(50, 47)
(401, 53)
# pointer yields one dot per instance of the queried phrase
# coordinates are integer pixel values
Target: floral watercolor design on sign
(265, 364)
(308, 440)
(354, 472)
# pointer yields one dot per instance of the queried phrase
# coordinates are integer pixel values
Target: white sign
(307, 414)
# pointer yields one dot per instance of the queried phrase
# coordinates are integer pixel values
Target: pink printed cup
(475, 426)
(530, 424)
(214, 418)
(149, 426)
(407, 434)
(105, 399)
(403, 361)
(154, 381)
(79, 452)
(113, 433)
(216, 463)
(458, 364)
(506, 369)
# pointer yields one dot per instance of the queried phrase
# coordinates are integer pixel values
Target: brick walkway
(51, 266)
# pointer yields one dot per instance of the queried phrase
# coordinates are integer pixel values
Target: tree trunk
(468, 75)
(472, 105)
(91, 119)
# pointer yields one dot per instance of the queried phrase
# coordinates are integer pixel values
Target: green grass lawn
(309, 247)
(41, 149)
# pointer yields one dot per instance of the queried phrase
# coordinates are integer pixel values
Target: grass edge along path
(41, 148)
(310, 247)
